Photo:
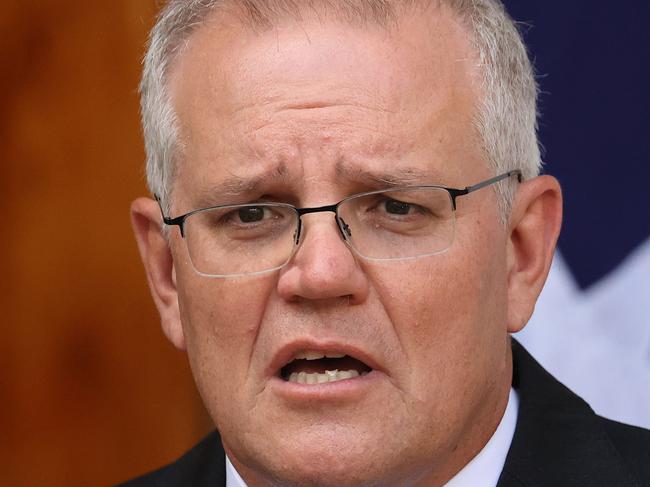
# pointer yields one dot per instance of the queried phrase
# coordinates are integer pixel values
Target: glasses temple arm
(495, 179)
(455, 193)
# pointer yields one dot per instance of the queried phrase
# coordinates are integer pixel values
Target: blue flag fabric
(591, 327)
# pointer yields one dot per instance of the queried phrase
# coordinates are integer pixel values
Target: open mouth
(311, 367)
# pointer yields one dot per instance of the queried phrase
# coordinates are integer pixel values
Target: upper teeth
(311, 355)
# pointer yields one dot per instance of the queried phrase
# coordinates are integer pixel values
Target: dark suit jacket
(559, 442)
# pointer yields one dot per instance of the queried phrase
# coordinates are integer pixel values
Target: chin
(349, 459)
(340, 471)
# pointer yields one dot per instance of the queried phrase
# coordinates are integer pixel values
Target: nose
(323, 267)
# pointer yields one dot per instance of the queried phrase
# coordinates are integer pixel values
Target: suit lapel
(559, 441)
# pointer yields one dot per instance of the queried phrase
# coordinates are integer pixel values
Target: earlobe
(534, 227)
(159, 266)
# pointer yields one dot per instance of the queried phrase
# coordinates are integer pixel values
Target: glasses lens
(241, 239)
(399, 224)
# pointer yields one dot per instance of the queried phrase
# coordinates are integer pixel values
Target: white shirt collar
(484, 469)
(233, 479)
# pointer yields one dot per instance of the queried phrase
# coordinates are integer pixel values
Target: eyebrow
(381, 179)
(236, 186)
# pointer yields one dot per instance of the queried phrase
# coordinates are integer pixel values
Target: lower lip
(341, 389)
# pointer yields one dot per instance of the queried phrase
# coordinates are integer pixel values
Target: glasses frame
(344, 229)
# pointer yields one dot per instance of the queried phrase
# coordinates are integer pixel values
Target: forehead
(259, 101)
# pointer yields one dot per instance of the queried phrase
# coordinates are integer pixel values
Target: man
(352, 227)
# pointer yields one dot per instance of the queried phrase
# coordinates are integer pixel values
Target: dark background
(90, 391)
(593, 62)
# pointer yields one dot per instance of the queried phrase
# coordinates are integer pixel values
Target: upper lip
(287, 352)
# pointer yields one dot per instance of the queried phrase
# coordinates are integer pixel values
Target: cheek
(221, 320)
(441, 296)
(447, 311)
(226, 310)
(216, 309)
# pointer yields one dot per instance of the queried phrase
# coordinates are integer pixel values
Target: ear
(534, 227)
(159, 266)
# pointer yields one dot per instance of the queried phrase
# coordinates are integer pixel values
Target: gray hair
(506, 120)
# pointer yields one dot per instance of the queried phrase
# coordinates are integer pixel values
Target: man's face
(314, 108)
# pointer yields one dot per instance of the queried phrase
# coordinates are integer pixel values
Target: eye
(395, 207)
(251, 214)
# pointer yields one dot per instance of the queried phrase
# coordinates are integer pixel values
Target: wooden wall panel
(90, 391)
